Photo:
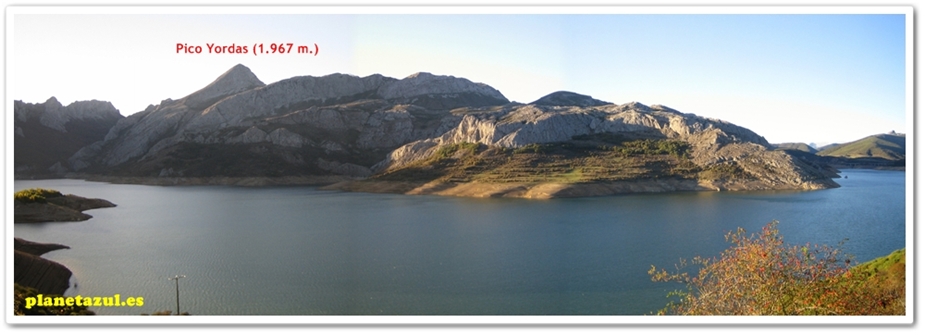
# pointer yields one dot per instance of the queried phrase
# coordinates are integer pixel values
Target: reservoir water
(305, 251)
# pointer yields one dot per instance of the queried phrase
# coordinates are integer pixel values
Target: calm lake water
(304, 251)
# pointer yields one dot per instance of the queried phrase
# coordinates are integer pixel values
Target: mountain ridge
(354, 128)
(47, 134)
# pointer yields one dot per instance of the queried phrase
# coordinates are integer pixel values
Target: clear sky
(788, 77)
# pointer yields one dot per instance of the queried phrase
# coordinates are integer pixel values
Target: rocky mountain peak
(565, 98)
(663, 108)
(420, 74)
(237, 79)
(53, 103)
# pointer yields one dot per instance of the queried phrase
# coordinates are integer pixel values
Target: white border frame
(465, 320)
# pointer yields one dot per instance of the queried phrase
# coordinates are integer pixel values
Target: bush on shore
(760, 275)
(39, 195)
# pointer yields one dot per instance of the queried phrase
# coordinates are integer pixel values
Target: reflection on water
(301, 251)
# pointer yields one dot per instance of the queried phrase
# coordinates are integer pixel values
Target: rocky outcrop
(56, 209)
(520, 125)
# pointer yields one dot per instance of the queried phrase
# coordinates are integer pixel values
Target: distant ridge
(886, 146)
(796, 146)
(565, 98)
(47, 134)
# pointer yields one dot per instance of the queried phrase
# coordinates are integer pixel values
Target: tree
(760, 275)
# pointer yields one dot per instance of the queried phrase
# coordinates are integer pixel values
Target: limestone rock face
(133, 136)
(387, 129)
(286, 138)
(252, 135)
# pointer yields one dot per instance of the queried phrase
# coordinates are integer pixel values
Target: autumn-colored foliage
(760, 275)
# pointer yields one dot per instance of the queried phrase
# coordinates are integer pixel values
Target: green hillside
(887, 146)
(796, 146)
(883, 264)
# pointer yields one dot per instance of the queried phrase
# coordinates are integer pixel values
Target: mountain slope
(796, 146)
(886, 146)
(47, 134)
(537, 151)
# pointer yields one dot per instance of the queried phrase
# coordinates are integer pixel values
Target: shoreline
(562, 190)
(30, 269)
(536, 190)
(64, 208)
(216, 181)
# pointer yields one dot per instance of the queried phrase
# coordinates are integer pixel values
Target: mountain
(304, 126)
(48, 134)
(885, 146)
(541, 151)
(796, 146)
(431, 133)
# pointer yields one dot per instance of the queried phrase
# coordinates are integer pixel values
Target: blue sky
(807, 78)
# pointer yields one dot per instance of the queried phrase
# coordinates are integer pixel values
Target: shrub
(530, 148)
(653, 147)
(448, 150)
(760, 275)
(723, 171)
(36, 195)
